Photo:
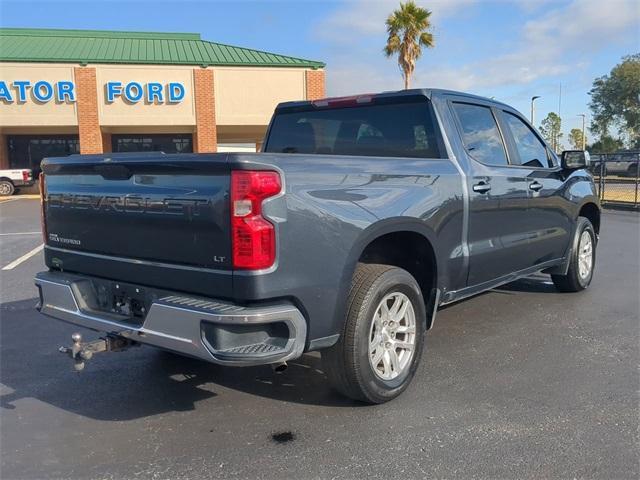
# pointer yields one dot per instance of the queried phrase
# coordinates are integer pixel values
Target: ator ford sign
(22, 91)
(42, 92)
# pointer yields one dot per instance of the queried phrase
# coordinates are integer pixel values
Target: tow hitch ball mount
(80, 352)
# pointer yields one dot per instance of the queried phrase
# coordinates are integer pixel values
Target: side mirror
(575, 159)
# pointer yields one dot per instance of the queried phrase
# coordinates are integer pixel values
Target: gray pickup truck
(363, 215)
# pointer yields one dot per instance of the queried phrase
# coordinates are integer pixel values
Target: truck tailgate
(169, 209)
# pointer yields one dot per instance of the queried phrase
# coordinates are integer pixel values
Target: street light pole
(533, 110)
(584, 139)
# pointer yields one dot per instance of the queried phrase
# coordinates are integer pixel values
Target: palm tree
(409, 30)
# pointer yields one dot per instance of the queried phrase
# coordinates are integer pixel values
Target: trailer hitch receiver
(80, 352)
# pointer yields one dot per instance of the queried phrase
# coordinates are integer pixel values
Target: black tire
(573, 281)
(6, 188)
(347, 363)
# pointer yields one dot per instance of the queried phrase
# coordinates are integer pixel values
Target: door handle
(481, 187)
(535, 186)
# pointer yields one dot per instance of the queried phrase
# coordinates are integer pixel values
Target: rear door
(498, 228)
(549, 217)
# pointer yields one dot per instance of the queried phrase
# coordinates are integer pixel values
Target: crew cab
(361, 217)
(12, 178)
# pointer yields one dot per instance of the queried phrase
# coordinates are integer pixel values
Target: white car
(10, 179)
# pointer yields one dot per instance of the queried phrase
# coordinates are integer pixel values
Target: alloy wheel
(585, 255)
(392, 336)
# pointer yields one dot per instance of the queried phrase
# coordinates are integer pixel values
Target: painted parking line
(23, 258)
(19, 233)
(19, 197)
(8, 200)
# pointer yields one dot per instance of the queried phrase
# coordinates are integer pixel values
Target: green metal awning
(103, 46)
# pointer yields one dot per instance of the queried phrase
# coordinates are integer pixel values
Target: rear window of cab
(386, 130)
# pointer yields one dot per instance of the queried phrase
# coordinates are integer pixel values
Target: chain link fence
(617, 178)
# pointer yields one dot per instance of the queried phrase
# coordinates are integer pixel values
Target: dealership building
(91, 92)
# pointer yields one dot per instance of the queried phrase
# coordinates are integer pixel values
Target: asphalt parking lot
(521, 382)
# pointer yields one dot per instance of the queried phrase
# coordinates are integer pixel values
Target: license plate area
(131, 302)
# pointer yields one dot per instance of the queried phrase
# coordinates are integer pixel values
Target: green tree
(408, 30)
(615, 102)
(551, 130)
(576, 139)
(606, 144)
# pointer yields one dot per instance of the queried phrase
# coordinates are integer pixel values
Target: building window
(171, 143)
(27, 151)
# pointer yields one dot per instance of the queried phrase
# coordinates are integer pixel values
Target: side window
(531, 150)
(480, 134)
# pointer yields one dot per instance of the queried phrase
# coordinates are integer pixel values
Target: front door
(498, 223)
(549, 215)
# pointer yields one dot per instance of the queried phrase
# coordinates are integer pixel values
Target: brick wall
(205, 139)
(106, 143)
(4, 153)
(315, 84)
(87, 105)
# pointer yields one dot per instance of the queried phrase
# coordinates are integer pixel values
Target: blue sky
(505, 49)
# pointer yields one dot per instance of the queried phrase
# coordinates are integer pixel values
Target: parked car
(12, 178)
(363, 216)
(622, 164)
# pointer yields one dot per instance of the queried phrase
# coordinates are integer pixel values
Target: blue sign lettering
(133, 92)
(176, 92)
(5, 93)
(21, 87)
(65, 92)
(42, 91)
(114, 89)
(154, 91)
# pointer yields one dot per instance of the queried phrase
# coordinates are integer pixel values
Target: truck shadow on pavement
(538, 283)
(137, 383)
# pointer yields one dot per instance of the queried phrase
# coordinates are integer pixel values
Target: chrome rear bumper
(212, 330)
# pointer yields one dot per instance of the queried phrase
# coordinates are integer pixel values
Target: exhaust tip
(279, 367)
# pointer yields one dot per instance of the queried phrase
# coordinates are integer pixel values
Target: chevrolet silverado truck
(359, 219)
(12, 178)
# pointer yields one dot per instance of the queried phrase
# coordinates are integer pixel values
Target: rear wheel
(582, 262)
(381, 345)
(6, 188)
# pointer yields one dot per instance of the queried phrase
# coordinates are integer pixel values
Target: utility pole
(533, 110)
(560, 101)
(584, 138)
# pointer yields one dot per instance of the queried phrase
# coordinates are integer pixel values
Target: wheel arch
(591, 211)
(405, 236)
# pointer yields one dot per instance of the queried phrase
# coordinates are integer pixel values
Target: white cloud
(349, 79)
(557, 41)
(584, 24)
(366, 17)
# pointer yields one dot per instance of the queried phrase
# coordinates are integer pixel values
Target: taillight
(43, 220)
(253, 236)
(26, 175)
